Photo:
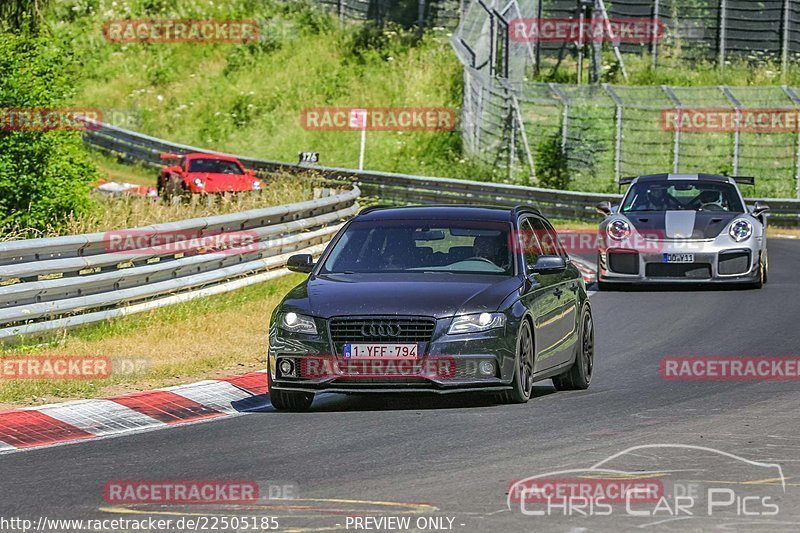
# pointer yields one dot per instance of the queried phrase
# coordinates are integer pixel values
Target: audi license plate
(381, 351)
(679, 258)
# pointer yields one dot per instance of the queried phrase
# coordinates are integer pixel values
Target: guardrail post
(618, 136)
(796, 99)
(676, 149)
(737, 134)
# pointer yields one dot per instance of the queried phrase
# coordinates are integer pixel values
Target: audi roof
(445, 212)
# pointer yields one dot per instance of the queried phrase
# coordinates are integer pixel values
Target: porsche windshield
(682, 195)
(411, 246)
(214, 166)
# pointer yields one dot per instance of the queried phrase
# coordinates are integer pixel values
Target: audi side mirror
(548, 264)
(604, 208)
(300, 263)
(759, 208)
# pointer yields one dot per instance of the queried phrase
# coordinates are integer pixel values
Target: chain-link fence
(420, 13)
(585, 137)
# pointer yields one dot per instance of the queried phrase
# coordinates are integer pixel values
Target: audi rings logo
(380, 329)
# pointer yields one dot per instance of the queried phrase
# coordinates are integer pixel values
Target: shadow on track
(329, 402)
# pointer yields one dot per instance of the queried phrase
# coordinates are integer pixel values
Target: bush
(45, 176)
(551, 163)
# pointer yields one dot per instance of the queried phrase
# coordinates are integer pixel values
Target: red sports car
(205, 174)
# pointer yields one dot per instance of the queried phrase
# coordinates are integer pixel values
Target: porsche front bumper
(712, 262)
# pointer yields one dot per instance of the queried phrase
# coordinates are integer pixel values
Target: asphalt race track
(455, 457)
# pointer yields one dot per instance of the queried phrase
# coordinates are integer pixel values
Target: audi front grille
(394, 329)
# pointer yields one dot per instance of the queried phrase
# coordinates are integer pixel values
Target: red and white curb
(49, 425)
(588, 270)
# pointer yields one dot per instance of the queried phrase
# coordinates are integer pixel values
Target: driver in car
(657, 199)
(492, 248)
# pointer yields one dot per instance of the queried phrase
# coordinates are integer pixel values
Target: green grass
(220, 335)
(248, 99)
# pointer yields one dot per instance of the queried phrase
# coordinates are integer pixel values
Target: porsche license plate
(381, 351)
(679, 258)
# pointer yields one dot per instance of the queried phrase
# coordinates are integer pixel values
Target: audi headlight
(741, 230)
(476, 322)
(199, 182)
(618, 230)
(298, 323)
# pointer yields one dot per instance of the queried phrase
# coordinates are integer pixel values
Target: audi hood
(437, 295)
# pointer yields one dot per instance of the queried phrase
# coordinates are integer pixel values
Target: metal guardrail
(61, 282)
(404, 188)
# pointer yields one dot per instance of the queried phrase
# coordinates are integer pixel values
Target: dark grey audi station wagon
(433, 299)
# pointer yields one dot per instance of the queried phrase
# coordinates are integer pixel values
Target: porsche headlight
(741, 230)
(618, 230)
(199, 182)
(298, 323)
(256, 185)
(476, 322)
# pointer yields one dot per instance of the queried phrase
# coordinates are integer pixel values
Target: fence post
(723, 30)
(785, 41)
(656, 26)
(521, 124)
(564, 116)
(342, 7)
(737, 133)
(537, 42)
(676, 149)
(796, 99)
(618, 138)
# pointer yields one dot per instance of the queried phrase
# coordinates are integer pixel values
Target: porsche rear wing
(743, 180)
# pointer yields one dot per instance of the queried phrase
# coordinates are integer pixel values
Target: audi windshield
(415, 246)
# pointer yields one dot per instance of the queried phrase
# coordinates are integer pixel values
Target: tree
(45, 176)
(22, 15)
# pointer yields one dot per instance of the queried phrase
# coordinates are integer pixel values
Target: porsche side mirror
(604, 208)
(300, 263)
(759, 208)
(548, 264)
